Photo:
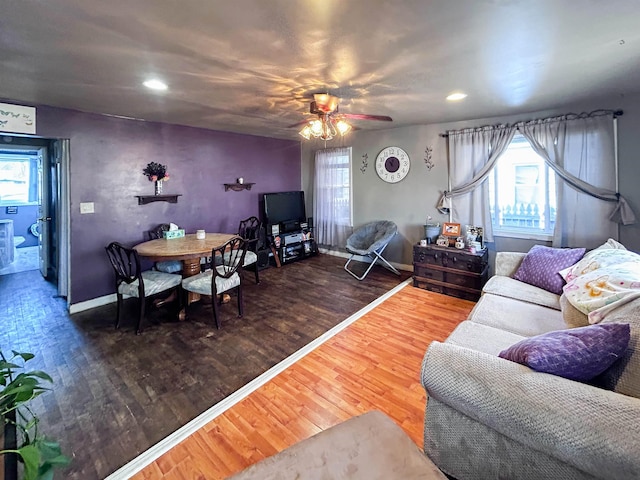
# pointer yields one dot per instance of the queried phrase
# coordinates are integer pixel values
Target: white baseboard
(364, 259)
(93, 303)
(166, 444)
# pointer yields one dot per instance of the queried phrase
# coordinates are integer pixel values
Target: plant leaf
(41, 374)
(31, 458)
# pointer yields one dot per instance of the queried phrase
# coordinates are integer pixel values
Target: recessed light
(155, 85)
(456, 96)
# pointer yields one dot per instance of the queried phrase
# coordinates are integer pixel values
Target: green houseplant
(17, 388)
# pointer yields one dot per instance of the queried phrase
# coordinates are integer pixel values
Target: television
(285, 209)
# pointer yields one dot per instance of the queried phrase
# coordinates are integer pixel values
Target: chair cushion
(169, 266)
(154, 282)
(249, 258)
(201, 283)
(371, 237)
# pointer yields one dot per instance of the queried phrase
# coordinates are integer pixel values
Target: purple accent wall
(107, 158)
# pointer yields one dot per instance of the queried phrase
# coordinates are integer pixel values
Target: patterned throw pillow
(541, 265)
(577, 353)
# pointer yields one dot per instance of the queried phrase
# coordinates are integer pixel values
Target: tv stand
(294, 246)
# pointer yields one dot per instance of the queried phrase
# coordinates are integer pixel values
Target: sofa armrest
(592, 429)
(507, 263)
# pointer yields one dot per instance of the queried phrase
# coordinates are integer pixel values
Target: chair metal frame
(375, 255)
(126, 265)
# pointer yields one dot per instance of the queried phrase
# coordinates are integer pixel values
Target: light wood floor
(374, 364)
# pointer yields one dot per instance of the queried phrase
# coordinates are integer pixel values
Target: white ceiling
(251, 66)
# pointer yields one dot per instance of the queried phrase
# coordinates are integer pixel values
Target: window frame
(550, 183)
(33, 177)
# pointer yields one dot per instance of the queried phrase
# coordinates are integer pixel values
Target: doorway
(34, 206)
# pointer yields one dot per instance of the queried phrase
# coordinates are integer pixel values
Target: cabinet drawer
(425, 272)
(450, 258)
(446, 289)
(470, 281)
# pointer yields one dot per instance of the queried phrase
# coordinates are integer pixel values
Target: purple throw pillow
(541, 265)
(577, 353)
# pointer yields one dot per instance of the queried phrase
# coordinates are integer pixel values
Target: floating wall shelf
(144, 199)
(236, 187)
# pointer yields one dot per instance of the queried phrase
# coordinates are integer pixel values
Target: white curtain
(581, 151)
(472, 155)
(332, 196)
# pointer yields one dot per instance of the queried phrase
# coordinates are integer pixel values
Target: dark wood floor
(116, 394)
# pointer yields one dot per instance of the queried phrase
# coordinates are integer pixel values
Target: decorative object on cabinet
(427, 158)
(238, 186)
(458, 273)
(451, 229)
(392, 164)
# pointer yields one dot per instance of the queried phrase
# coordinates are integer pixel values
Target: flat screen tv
(285, 209)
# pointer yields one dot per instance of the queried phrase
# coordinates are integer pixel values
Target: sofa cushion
(624, 375)
(577, 353)
(572, 316)
(512, 288)
(510, 315)
(482, 338)
(541, 266)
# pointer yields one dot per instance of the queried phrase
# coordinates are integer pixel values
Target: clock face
(392, 164)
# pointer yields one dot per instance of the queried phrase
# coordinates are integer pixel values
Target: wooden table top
(182, 248)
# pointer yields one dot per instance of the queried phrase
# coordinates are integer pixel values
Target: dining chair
(133, 282)
(224, 277)
(166, 266)
(250, 229)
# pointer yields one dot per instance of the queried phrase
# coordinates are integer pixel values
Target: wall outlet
(86, 207)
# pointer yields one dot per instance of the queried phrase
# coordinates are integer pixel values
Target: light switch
(86, 207)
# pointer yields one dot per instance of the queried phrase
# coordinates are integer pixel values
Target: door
(44, 216)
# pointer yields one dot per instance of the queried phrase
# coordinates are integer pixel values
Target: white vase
(158, 187)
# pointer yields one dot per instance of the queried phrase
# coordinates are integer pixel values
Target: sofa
(491, 418)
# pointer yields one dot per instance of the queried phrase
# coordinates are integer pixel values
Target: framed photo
(451, 229)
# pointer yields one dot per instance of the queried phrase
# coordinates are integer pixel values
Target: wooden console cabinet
(447, 270)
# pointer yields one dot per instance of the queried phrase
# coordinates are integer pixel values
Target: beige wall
(410, 201)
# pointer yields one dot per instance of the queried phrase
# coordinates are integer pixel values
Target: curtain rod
(568, 116)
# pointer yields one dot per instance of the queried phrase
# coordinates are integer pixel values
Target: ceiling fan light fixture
(454, 97)
(305, 132)
(343, 127)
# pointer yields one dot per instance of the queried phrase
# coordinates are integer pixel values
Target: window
(522, 193)
(332, 196)
(18, 179)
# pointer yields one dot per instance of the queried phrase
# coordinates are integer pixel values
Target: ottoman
(370, 446)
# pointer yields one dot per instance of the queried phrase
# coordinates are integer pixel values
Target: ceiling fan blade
(298, 124)
(361, 116)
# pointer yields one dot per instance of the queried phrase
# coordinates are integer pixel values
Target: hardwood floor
(374, 364)
(117, 394)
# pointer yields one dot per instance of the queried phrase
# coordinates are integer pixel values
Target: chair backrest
(229, 257)
(250, 229)
(126, 265)
(156, 232)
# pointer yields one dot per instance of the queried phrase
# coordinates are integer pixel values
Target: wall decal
(365, 164)
(427, 158)
(17, 118)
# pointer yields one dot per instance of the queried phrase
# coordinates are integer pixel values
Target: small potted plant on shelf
(156, 172)
(22, 440)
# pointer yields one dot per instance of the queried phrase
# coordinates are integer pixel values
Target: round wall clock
(392, 164)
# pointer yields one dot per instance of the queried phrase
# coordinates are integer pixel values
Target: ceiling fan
(329, 121)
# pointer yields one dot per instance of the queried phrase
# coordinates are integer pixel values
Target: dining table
(188, 249)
